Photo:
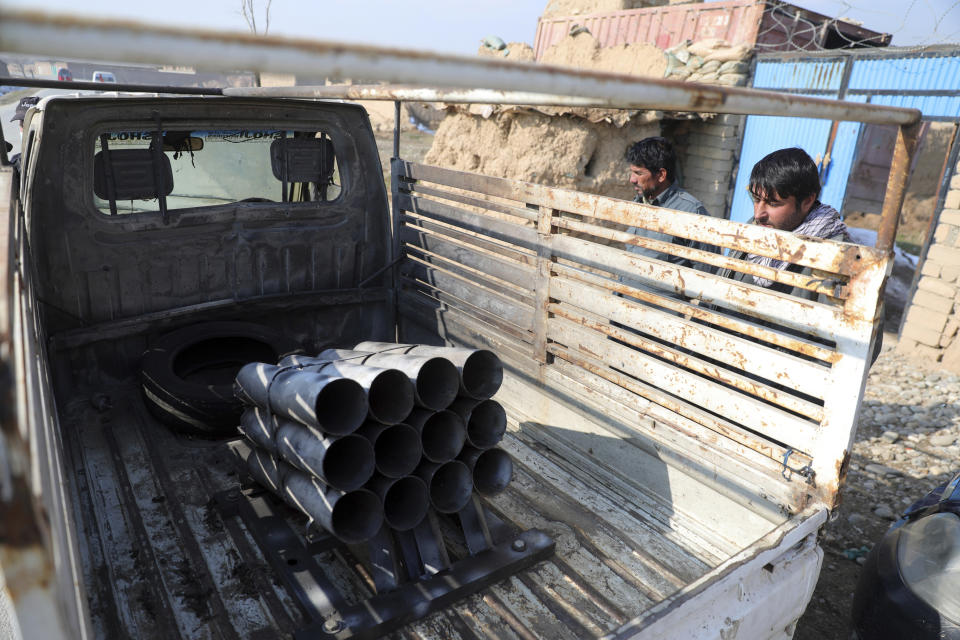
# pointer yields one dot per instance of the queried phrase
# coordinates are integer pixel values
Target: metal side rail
(412, 571)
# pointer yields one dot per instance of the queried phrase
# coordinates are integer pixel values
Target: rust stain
(830, 493)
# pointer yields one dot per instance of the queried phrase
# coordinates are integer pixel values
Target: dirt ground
(906, 445)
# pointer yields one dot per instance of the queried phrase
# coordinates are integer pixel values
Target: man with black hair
(653, 174)
(784, 187)
(653, 169)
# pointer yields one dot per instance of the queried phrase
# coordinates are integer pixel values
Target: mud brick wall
(930, 328)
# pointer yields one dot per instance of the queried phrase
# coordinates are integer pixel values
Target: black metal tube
(481, 372)
(344, 462)
(491, 469)
(442, 433)
(486, 421)
(352, 516)
(405, 500)
(390, 393)
(333, 404)
(396, 447)
(259, 427)
(449, 484)
(435, 379)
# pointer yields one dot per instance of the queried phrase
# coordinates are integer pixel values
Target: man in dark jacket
(653, 174)
(653, 169)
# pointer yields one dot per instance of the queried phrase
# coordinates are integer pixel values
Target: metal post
(542, 293)
(897, 184)
(396, 129)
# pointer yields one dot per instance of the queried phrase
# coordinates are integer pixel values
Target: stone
(945, 233)
(951, 357)
(884, 511)
(930, 300)
(937, 286)
(942, 440)
(930, 268)
(923, 335)
(890, 436)
(950, 273)
(883, 470)
(951, 216)
(952, 200)
(943, 254)
(926, 319)
(856, 519)
(714, 153)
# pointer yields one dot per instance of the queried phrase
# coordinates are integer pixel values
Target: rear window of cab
(137, 170)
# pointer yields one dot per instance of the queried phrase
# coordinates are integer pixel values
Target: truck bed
(162, 558)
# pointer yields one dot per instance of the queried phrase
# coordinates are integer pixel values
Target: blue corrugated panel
(841, 161)
(931, 106)
(906, 74)
(820, 75)
(763, 134)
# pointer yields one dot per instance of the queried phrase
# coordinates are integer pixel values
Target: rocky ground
(907, 443)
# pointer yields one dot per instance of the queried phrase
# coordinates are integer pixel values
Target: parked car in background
(103, 76)
(910, 583)
(64, 74)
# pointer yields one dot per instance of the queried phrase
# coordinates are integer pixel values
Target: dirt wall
(562, 151)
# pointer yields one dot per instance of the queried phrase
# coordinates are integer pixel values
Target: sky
(456, 26)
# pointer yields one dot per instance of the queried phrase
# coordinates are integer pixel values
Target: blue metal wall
(871, 77)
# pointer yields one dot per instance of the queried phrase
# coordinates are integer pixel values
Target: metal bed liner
(161, 557)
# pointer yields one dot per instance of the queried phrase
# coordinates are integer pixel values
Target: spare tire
(187, 374)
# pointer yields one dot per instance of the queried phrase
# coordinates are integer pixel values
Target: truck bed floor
(163, 563)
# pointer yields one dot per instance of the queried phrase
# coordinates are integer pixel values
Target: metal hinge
(787, 471)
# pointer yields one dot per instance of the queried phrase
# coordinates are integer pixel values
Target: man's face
(647, 183)
(786, 214)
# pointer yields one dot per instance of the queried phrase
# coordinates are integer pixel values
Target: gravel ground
(907, 443)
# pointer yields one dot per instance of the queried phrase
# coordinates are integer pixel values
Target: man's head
(653, 165)
(22, 107)
(784, 187)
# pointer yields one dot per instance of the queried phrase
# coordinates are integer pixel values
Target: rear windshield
(207, 168)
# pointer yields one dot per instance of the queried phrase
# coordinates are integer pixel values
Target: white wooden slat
(753, 414)
(768, 363)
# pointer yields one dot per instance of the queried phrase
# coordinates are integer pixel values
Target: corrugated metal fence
(927, 80)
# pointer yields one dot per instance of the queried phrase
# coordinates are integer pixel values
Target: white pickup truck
(680, 451)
